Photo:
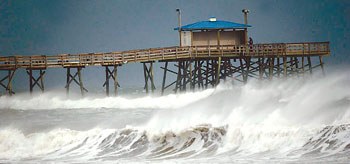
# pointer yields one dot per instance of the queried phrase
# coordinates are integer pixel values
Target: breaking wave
(200, 142)
(297, 120)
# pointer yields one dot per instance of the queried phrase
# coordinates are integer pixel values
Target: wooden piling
(152, 78)
(190, 77)
(107, 81)
(322, 67)
(271, 61)
(67, 83)
(81, 82)
(145, 71)
(178, 81)
(247, 63)
(10, 79)
(115, 80)
(42, 79)
(184, 70)
(278, 66)
(285, 67)
(242, 69)
(164, 77)
(218, 72)
(309, 64)
(303, 66)
(261, 61)
(30, 81)
(9, 85)
(207, 74)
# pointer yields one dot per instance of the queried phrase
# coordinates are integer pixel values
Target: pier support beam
(35, 81)
(217, 78)
(244, 68)
(164, 76)
(309, 64)
(189, 72)
(322, 67)
(285, 67)
(247, 64)
(191, 76)
(183, 75)
(200, 80)
(71, 78)
(9, 78)
(271, 65)
(111, 73)
(261, 66)
(166, 70)
(148, 74)
(302, 70)
(278, 67)
(179, 76)
(209, 71)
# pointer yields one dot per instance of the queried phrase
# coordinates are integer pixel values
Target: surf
(299, 119)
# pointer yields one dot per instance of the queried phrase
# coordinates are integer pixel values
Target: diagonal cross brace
(36, 81)
(110, 74)
(72, 78)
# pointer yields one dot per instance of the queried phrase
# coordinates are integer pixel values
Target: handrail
(165, 53)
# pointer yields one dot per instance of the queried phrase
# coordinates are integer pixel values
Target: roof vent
(212, 19)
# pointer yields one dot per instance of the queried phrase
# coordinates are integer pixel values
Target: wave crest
(200, 142)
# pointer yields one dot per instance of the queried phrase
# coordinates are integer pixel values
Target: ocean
(299, 120)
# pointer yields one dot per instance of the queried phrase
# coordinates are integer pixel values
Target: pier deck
(213, 62)
(167, 53)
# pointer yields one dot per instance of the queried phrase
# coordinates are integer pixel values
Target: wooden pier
(197, 66)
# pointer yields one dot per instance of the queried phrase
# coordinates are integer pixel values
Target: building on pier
(213, 32)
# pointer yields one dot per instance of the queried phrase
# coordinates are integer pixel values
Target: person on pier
(250, 41)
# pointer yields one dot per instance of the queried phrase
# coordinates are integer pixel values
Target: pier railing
(167, 53)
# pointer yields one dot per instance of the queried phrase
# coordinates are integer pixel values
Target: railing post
(79, 59)
(222, 52)
(196, 51)
(176, 52)
(209, 50)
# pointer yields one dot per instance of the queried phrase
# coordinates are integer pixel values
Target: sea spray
(48, 101)
(297, 119)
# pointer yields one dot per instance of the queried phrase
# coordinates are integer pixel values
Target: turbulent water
(299, 120)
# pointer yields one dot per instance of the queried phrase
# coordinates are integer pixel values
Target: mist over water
(295, 120)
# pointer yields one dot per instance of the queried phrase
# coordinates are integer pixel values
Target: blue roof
(212, 25)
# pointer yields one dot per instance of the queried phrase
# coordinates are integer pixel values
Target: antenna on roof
(179, 14)
(245, 11)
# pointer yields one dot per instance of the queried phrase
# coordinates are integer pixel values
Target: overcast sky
(35, 27)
